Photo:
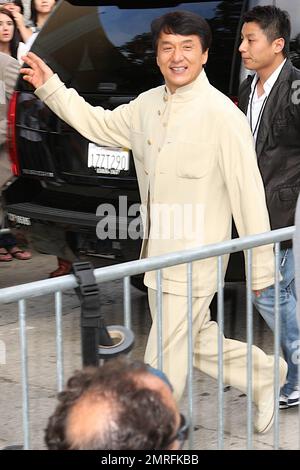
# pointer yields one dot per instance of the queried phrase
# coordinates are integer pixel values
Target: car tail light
(11, 134)
(235, 100)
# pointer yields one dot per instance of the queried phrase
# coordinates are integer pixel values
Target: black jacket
(278, 144)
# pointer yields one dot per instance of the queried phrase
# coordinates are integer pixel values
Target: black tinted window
(294, 10)
(108, 49)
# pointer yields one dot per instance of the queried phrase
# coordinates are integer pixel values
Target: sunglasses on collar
(182, 433)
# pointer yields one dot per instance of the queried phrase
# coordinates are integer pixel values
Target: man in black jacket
(270, 100)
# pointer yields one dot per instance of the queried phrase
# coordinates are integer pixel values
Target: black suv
(102, 49)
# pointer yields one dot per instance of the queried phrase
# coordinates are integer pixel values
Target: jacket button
(165, 98)
(159, 112)
(149, 142)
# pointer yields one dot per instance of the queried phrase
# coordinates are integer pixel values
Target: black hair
(184, 23)
(274, 22)
(19, 3)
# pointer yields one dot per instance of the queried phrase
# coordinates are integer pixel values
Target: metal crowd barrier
(58, 285)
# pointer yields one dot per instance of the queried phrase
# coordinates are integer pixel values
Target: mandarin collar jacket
(196, 166)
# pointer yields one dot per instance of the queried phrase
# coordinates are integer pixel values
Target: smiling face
(180, 59)
(258, 52)
(6, 28)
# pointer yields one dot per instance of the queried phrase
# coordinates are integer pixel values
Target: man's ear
(278, 45)
(205, 57)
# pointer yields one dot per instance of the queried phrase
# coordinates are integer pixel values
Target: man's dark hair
(140, 420)
(19, 3)
(274, 22)
(184, 23)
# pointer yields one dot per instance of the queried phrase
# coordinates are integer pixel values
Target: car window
(294, 11)
(108, 49)
(293, 8)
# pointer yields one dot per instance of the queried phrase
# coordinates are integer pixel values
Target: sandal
(4, 255)
(17, 253)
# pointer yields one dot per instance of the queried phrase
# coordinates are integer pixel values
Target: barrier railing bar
(109, 273)
(276, 347)
(127, 301)
(220, 355)
(59, 342)
(190, 351)
(159, 320)
(136, 267)
(249, 350)
(24, 369)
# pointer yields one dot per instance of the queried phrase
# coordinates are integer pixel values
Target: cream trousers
(205, 337)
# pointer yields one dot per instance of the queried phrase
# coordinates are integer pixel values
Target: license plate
(19, 219)
(108, 160)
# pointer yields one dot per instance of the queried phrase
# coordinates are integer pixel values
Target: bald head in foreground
(119, 406)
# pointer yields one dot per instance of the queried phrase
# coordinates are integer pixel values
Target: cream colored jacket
(196, 167)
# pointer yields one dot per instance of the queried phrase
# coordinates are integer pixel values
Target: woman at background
(9, 41)
(9, 36)
(17, 10)
(40, 12)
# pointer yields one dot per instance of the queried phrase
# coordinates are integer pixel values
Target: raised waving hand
(38, 71)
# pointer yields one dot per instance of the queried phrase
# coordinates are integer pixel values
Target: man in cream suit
(192, 148)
